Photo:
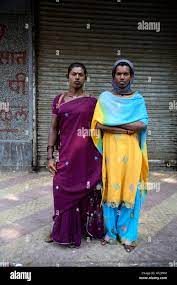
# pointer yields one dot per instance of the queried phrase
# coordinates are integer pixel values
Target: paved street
(26, 209)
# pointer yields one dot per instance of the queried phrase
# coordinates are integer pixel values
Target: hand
(130, 132)
(114, 131)
(52, 166)
(120, 131)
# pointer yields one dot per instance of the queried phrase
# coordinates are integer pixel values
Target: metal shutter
(95, 33)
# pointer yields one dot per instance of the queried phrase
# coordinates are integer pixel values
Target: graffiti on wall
(14, 97)
(11, 57)
(18, 85)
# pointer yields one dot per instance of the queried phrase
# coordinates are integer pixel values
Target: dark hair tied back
(77, 64)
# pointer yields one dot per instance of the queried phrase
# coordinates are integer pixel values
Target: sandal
(128, 247)
(111, 241)
(73, 245)
(49, 239)
(104, 242)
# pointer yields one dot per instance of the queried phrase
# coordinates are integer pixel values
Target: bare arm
(114, 130)
(136, 126)
(53, 130)
(52, 139)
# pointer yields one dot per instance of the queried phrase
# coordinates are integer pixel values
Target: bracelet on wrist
(50, 157)
(50, 147)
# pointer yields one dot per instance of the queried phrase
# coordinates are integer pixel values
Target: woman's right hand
(52, 166)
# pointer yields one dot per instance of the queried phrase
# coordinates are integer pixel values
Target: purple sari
(77, 183)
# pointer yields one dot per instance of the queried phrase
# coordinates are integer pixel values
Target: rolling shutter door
(96, 33)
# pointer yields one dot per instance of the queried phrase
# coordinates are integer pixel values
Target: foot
(73, 246)
(129, 247)
(104, 242)
(108, 241)
(49, 239)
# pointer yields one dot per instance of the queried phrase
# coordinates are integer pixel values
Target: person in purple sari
(77, 181)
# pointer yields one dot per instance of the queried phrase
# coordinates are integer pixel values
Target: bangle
(51, 157)
(50, 147)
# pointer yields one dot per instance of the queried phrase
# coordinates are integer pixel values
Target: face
(76, 77)
(122, 76)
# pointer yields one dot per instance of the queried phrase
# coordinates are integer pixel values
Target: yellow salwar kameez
(125, 164)
(122, 161)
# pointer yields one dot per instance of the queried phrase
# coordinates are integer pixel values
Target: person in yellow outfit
(121, 118)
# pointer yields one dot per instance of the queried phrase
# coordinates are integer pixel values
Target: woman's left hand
(120, 131)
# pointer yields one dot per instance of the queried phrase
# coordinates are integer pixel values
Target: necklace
(75, 96)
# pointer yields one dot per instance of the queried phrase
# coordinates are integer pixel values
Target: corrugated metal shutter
(95, 33)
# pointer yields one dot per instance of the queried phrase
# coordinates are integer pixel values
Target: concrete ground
(26, 209)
